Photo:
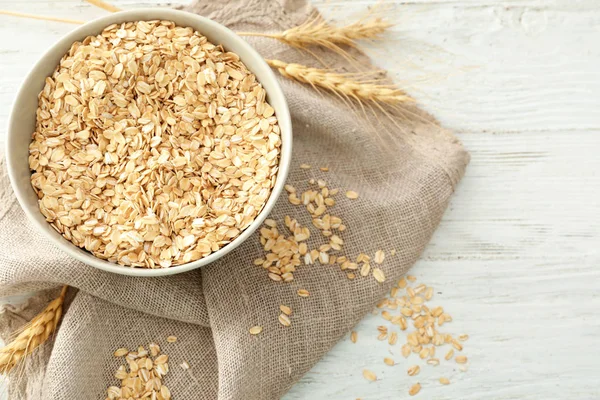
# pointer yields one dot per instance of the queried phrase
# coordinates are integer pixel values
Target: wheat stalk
(104, 5)
(40, 17)
(316, 31)
(33, 335)
(341, 84)
(98, 3)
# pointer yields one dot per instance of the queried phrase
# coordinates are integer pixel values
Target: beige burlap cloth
(404, 191)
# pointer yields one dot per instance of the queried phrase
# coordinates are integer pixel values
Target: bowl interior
(23, 115)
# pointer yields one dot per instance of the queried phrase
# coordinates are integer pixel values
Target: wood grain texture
(515, 259)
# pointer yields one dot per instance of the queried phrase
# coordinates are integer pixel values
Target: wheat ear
(341, 84)
(319, 31)
(33, 335)
(316, 31)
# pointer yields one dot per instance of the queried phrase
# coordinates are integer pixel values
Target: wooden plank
(528, 195)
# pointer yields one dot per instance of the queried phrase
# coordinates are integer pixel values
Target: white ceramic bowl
(22, 124)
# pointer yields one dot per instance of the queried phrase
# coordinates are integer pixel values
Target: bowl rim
(146, 14)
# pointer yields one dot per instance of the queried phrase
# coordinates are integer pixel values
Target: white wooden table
(516, 258)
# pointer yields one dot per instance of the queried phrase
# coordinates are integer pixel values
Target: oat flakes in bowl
(154, 147)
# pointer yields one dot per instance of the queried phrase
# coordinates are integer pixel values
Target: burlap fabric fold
(404, 191)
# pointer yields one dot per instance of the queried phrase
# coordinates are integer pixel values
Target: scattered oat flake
(154, 349)
(393, 252)
(171, 339)
(185, 365)
(161, 359)
(463, 337)
(414, 370)
(429, 293)
(414, 389)
(379, 256)
(417, 300)
(303, 293)
(378, 275)
(365, 269)
(353, 337)
(411, 278)
(388, 361)
(255, 330)
(436, 312)
(351, 195)
(121, 352)
(420, 288)
(284, 320)
(406, 350)
(369, 375)
(393, 339)
(305, 166)
(259, 261)
(285, 309)
(461, 359)
(444, 381)
(414, 342)
(324, 169)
